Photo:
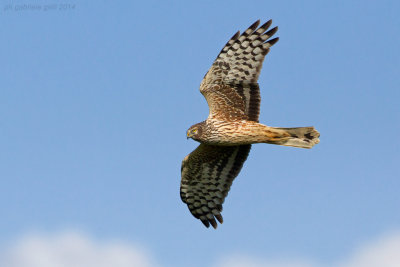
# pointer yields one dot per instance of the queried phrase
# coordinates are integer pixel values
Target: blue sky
(95, 101)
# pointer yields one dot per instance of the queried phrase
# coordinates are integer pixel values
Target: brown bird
(233, 96)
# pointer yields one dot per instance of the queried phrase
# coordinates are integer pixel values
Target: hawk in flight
(233, 96)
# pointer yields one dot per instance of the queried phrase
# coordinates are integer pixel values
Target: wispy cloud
(247, 261)
(74, 249)
(383, 252)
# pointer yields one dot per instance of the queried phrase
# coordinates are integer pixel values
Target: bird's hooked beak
(187, 135)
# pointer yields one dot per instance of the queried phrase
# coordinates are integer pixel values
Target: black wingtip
(273, 41)
(272, 31)
(266, 25)
(254, 25)
(213, 223)
(206, 223)
(219, 218)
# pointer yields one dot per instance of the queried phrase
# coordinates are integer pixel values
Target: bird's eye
(194, 131)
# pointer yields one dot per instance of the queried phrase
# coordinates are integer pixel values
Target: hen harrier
(233, 96)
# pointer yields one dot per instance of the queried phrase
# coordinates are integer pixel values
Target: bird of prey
(233, 96)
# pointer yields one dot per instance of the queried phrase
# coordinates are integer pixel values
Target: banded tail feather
(303, 137)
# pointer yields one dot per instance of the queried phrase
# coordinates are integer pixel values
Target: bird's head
(195, 132)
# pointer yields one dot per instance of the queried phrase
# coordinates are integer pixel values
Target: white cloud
(246, 261)
(72, 249)
(384, 252)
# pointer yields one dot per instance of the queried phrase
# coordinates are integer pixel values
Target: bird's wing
(207, 175)
(230, 85)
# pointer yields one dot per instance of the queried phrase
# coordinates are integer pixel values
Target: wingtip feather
(206, 223)
(273, 41)
(219, 218)
(213, 223)
(266, 25)
(254, 25)
(272, 31)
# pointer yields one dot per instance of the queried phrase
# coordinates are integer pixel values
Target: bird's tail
(304, 137)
